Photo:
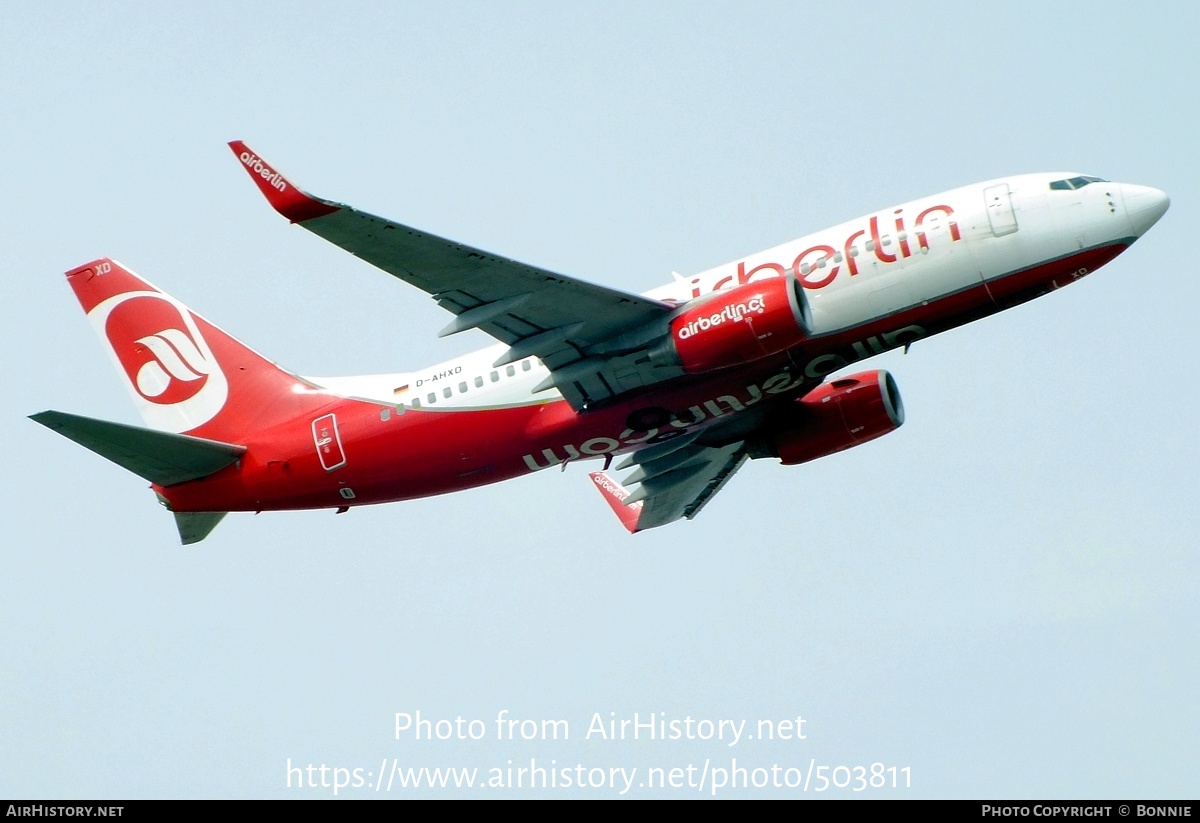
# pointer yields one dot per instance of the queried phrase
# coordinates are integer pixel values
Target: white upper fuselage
(853, 273)
(687, 383)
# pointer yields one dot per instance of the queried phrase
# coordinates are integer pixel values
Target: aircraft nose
(1144, 205)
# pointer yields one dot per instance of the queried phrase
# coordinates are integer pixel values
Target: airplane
(683, 384)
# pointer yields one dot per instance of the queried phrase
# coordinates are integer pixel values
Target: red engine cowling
(740, 325)
(837, 415)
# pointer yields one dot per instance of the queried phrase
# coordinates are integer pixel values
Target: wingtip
(615, 495)
(283, 195)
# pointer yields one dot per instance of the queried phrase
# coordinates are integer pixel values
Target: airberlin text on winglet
(281, 193)
(263, 170)
(602, 480)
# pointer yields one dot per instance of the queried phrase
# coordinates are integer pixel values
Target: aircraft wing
(670, 486)
(567, 323)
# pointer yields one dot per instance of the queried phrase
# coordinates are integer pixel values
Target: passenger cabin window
(510, 371)
(495, 377)
(526, 365)
(479, 382)
(432, 398)
(447, 392)
(416, 402)
(462, 387)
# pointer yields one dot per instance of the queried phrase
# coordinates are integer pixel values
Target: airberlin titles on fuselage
(819, 264)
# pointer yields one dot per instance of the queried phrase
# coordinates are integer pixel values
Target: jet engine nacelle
(738, 326)
(837, 415)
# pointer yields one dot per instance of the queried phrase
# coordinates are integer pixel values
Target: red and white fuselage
(746, 337)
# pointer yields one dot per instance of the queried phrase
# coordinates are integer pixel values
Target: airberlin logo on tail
(263, 170)
(731, 313)
(175, 357)
(170, 370)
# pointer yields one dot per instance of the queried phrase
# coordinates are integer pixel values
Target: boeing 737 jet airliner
(685, 383)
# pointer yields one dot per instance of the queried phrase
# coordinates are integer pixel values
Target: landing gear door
(328, 442)
(1000, 213)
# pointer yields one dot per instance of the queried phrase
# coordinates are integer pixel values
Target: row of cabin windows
(448, 392)
(805, 268)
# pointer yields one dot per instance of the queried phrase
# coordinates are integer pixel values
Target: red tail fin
(185, 374)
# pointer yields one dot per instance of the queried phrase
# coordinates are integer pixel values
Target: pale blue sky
(1000, 595)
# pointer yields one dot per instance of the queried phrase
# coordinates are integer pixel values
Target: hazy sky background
(1000, 596)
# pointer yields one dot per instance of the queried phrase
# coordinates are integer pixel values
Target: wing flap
(679, 487)
(529, 307)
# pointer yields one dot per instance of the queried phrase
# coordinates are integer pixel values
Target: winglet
(614, 494)
(281, 193)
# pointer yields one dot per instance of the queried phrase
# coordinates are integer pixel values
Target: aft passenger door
(328, 442)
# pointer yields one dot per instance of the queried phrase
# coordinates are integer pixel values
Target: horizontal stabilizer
(160, 457)
(195, 526)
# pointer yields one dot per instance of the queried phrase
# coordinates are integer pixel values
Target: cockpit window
(1075, 183)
